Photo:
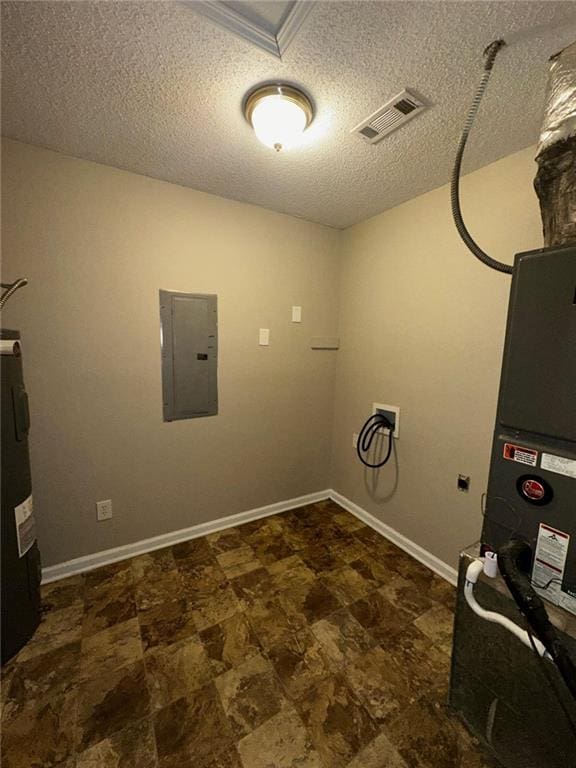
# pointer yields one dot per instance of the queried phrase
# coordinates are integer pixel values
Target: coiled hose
(490, 55)
(366, 437)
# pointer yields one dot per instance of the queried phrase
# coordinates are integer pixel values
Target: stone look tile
(230, 643)
(348, 522)
(62, 593)
(39, 734)
(252, 586)
(308, 603)
(221, 605)
(110, 702)
(378, 754)
(342, 638)
(57, 628)
(132, 747)
(270, 623)
(378, 616)
(250, 695)
(156, 578)
(347, 584)
(110, 577)
(46, 675)
(79, 694)
(108, 597)
(235, 562)
(382, 684)
(193, 552)
(174, 671)
(437, 624)
(443, 592)
(426, 737)
(320, 558)
(337, 722)
(110, 649)
(406, 596)
(166, 623)
(281, 742)
(193, 731)
(223, 541)
(299, 663)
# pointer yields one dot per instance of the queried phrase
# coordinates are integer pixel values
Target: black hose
(366, 437)
(490, 53)
(514, 560)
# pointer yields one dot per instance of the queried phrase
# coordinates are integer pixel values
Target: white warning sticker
(559, 464)
(25, 525)
(549, 562)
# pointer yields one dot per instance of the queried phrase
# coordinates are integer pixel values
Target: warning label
(25, 525)
(522, 455)
(558, 464)
(549, 564)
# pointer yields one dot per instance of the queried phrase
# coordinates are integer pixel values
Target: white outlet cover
(296, 314)
(104, 509)
(264, 337)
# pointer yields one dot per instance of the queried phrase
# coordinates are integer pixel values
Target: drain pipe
(489, 566)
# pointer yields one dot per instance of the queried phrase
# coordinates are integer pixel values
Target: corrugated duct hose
(490, 55)
(514, 561)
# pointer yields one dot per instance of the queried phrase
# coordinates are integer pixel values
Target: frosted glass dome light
(279, 115)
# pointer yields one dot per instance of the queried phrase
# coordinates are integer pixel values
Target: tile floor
(304, 640)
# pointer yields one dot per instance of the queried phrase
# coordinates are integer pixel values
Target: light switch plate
(264, 338)
(296, 314)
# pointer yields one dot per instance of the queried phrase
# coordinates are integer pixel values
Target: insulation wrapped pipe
(560, 110)
(555, 181)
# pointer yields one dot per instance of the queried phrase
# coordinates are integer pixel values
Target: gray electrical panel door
(189, 354)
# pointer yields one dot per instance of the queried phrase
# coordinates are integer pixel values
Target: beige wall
(97, 244)
(422, 327)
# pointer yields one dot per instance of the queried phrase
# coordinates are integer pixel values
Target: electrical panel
(189, 341)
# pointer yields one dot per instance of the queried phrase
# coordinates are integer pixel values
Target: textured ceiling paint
(155, 88)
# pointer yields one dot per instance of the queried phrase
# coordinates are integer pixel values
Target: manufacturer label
(522, 455)
(25, 525)
(559, 464)
(549, 563)
(533, 489)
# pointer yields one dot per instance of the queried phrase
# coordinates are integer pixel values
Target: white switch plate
(296, 314)
(104, 509)
(264, 338)
(355, 440)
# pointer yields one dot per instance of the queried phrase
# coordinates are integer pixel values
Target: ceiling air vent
(403, 107)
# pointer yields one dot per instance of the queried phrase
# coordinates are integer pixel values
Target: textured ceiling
(155, 88)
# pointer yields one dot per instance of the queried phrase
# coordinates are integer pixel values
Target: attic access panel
(189, 342)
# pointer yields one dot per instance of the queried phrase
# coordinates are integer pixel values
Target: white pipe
(474, 570)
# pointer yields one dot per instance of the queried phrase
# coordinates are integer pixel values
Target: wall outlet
(104, 509)
(355, 440)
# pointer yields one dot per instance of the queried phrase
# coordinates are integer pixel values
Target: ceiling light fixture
(279, 114)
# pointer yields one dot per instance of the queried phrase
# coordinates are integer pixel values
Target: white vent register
(396, 112)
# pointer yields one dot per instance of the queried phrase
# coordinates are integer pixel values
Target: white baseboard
(419, 553)
(98, 559)
(90, 562)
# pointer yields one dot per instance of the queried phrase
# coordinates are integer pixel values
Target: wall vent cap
(396, 112)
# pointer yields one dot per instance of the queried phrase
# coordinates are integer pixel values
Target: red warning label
(522, 455)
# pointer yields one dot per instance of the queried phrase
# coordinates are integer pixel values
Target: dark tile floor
(304, 640)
